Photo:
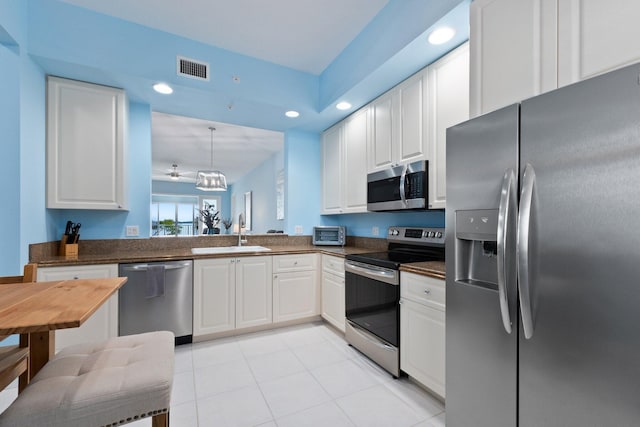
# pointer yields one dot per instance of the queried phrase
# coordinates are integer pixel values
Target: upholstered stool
(108, 383)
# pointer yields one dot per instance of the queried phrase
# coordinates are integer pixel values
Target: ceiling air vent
(193, 69)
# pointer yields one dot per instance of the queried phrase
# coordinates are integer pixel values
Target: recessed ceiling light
(292, 114)
(343, 105)
(163, 88)
(441, 35)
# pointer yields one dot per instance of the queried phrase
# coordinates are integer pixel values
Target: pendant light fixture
(211, 180)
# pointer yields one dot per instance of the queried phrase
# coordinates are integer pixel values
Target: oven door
(372, 296)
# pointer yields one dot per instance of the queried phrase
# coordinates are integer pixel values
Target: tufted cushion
(97, 384)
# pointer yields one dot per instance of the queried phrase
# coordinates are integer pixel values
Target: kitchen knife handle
(522, 250)
(506, 211)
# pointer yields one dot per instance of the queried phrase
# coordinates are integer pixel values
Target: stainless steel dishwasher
(157, 297)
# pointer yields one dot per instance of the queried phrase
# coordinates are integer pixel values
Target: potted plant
(227, 222)
(210, 218)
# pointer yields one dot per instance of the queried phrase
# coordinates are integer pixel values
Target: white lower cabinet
(295, 287)
(333, 291)
(253, 291)
(102, 324)
(231, 293)
(422, 330)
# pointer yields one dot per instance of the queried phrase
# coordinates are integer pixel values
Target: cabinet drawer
(301, 262)
(423, 289)
(333, 264)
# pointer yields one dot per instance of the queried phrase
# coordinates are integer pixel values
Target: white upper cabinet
(380, 149)
(406, 124)
(344, 165)
(596, 36)
(332, 169)
(522, 48)
(86, 146)
(398, 120)
(449, 105)
(355, 162)
(412, 96)
(513, 51)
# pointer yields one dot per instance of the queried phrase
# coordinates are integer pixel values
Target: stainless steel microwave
(335, 235)
(398, 188)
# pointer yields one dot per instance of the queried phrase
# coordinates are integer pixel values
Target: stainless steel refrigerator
(543, 260)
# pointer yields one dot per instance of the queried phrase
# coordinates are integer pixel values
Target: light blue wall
(302, 180)
(22, 138)
(362, 224)
(261, 181)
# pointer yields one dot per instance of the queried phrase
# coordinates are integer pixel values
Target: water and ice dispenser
(476, 247)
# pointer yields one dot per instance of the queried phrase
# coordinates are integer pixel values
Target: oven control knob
(394, 232)
(439, 234)
(430, 234)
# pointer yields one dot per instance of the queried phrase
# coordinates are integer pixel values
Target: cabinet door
(449, 105)
(86, 145)
(513, 51)
(422, 345)
(295, 295)
(254, 291)
(332, 170)
(214, 296)
(596, 36)
(411, 143)
(333, 300)
(102, 324)
(355, 162)
(380, 152)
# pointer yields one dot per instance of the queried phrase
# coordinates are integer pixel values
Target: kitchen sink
(228, 250)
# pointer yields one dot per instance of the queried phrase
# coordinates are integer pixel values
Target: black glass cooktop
(393, 258)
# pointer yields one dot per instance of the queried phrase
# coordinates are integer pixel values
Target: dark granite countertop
(428, 268)
(179, 254)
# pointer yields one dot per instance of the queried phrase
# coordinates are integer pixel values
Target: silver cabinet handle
(145, 267)
(505, 217)
(524, 220)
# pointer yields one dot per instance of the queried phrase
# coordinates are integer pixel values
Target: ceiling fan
(175, 175)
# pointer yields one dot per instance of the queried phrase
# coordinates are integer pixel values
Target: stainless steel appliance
(157, 297)
(542, 272)
(372, 290)
(398, 188)
(328, 235)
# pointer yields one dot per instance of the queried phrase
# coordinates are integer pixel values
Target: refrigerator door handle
(506, 210)
(524, 220)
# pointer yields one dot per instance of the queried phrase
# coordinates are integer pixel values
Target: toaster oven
(335, 235)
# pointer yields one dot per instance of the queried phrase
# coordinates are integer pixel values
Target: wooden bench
(107, 383)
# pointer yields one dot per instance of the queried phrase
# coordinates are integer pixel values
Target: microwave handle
(403, 179)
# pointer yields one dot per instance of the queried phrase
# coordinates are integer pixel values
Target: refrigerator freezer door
(481, 369)
(580, 366)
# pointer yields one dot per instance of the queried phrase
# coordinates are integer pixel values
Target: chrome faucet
(241, 224)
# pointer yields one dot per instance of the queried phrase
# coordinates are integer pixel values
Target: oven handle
(387, 276)
(371, 338)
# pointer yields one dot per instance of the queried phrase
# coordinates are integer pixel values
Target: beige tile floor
(304, 375)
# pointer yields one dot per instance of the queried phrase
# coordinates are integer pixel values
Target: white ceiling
(306, 35)
(187, 142)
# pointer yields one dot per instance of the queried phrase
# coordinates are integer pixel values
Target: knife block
(68, 250)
